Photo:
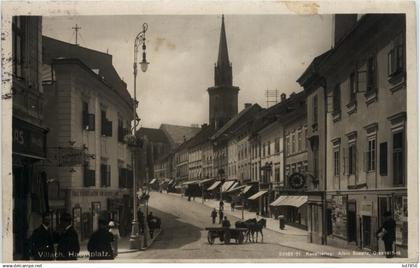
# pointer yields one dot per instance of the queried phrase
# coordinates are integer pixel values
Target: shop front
(30, 191)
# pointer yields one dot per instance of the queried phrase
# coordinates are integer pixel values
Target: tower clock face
(296, 181)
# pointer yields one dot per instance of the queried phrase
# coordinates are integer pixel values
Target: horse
(257, 228)
(247, 224)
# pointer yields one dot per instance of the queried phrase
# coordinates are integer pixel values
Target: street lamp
(139, 40)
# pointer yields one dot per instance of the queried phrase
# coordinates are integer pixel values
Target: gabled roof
(236, 121)
(178, 134)
(153, 134)
(313, 68)
(95, 60)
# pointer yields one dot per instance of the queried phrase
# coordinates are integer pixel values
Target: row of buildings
(331, 158)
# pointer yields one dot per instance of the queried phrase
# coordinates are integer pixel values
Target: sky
(268, 52)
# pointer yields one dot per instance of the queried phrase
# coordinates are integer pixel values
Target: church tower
(223, 97)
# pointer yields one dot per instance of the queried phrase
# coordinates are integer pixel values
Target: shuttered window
(383, 159)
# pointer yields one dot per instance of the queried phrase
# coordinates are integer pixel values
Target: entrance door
(366, 221)
(351, 222)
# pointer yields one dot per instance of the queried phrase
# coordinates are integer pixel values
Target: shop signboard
(28, 139)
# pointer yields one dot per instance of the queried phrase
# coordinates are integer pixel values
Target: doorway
(366, 222)
(351, 221)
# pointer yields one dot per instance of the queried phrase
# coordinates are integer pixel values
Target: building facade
(89, 114)
(366, 155)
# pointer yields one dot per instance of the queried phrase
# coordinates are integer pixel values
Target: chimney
(283, 97)
(247, 105)
(343, 23)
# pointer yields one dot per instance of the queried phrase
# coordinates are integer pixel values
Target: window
(88, 176)
(288, 145)
(106, 125)
(383, 159)
(18, 34)
(88, 120)
(352, 159)
(336, 100)
(268, 148)
(299, 140)
(398, 158)
(277, 146)
(306, 139)
(337, 161)
(353, 88)
(371, 154)
(396, 57)
(121, 131)
(277, 172)
(315, 109)
(105, 175)
(371, 75)
(293, 143)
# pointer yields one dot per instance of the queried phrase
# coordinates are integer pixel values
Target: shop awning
(246, 189)
(257, 195)
(190, 182)
(205, 180)
(213, 186)
(227, 185)
(291, 200)
(171, 182)
(236, 188)
(152, 181)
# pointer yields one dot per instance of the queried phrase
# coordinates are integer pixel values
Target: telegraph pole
(76, 29)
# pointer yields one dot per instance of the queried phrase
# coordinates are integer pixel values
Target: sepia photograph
(157, 135)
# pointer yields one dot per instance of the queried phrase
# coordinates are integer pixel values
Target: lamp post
(139, 40)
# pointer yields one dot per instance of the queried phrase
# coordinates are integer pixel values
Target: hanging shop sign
(28, 139)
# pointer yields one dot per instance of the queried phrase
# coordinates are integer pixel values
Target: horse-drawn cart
(225, 234)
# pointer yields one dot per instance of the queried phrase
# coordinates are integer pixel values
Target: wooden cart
(226, 234)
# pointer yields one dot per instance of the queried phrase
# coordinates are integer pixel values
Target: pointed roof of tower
(223, 58)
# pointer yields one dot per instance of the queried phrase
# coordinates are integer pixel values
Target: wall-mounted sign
(66, 156)
(28, 139)
(366, 208)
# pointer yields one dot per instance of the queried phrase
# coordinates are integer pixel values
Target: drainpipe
(324, 196)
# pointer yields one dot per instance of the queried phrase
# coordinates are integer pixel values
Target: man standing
(99, 244)
(42, 241)
(214, 215)
(221, 205)
(387, 232)
(68, 243)
(225, 222)
(220, 216)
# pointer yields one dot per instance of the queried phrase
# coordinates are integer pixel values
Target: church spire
(223, 68)
(223, 58)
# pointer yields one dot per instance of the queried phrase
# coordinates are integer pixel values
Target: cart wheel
(241, 237)
(210, 238)
(227, 237)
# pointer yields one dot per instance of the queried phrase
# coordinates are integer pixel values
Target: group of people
(222, 219)
(103, 243)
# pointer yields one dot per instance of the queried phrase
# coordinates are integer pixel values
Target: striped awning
(213, 186)
(257, 195)
(227, 185)
(291, 200)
